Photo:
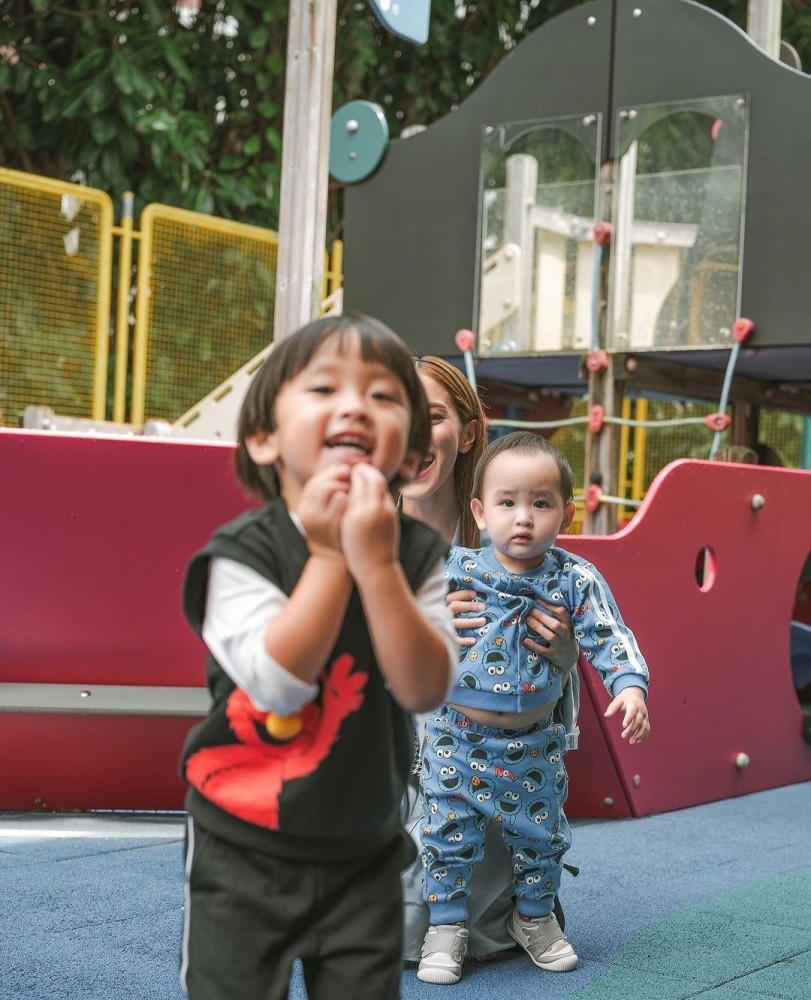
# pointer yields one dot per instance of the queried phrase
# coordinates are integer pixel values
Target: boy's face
(339, 409)
(522, 507)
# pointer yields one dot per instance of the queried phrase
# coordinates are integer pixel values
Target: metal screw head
(758, 501)
(608, 801)
(352, 125)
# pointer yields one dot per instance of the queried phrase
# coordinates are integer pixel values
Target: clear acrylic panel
(537, 209)
(678, 206)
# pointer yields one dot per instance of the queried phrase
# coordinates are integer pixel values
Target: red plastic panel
(68, 762)
(96, 533)
(595, 786)
(718, 652)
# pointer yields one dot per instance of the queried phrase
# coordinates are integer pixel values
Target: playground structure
(99, 675)
(603, 220)
(101, 678)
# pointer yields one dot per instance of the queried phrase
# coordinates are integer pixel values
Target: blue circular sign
(359, 136)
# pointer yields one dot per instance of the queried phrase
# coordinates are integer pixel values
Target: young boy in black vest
(324, 614)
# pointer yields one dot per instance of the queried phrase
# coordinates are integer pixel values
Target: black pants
(249, 915)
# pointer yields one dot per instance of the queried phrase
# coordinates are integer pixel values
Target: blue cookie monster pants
(514, 777)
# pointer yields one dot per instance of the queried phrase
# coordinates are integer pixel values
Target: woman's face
(448, 439)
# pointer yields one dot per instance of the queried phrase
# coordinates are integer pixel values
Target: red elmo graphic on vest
(246, 778)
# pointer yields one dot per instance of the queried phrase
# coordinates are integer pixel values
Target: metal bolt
(758, 501)
(352, 125)
(608, 801)
(742, 761)
(637, 781)
(85, 694)
(591, 21)
(637, 12)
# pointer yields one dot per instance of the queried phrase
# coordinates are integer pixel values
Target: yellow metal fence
(197, 292)
(56, 254)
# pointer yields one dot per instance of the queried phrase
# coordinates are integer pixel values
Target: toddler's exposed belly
(505, 720)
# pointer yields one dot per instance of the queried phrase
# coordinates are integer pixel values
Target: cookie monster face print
(516, 751)
(554, 745)
(449, 778)
(445, 746)
(533, 780)
(479, 759)
(538, 811)
(508, 805)
(481, 789)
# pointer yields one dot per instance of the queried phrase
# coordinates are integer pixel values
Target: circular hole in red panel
(706, 568)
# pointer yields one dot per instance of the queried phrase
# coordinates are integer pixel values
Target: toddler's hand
(370, 529)
(321, 508)
(635, 721)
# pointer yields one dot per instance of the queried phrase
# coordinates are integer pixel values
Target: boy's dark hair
(531, 443)
(291, 355)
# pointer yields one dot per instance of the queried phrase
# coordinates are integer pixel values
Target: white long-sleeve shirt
(241, 603)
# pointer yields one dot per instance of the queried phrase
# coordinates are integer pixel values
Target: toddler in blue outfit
(494, 751)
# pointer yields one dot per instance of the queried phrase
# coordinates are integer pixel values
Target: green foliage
(132, 99)
(189, 112)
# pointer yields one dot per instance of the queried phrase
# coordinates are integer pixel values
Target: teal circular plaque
(359, 136)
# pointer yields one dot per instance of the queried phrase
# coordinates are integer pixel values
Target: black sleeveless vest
(333, 792)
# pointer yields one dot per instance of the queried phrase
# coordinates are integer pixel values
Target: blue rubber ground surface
(711, 902)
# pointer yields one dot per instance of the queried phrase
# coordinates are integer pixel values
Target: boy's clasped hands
(348, 513)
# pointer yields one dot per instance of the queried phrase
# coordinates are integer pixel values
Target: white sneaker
(443, 952)
(544, 942)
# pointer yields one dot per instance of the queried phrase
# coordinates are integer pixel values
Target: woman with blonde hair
(439, 495)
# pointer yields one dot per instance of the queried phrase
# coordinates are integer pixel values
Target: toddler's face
(340, 409)
(522, 507)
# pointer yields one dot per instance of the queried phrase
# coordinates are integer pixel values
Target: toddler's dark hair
(529, 443)
(291, 356)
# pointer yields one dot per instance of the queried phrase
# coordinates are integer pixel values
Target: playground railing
(196, 292)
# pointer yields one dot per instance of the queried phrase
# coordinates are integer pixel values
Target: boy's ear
(410, 467)
(478, 513)
(568, 517)
(262, 448)
(469, 433)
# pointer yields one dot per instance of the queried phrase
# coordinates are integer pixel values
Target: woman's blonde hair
(468, 407)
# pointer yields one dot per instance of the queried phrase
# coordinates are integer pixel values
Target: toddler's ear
(262, 448)
(568, 517)
(477, 509)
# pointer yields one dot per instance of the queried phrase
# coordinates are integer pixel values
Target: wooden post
(305, 163)
(763, 24)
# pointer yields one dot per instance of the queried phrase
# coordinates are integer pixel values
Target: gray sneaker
(443, 952)
(544, 942)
